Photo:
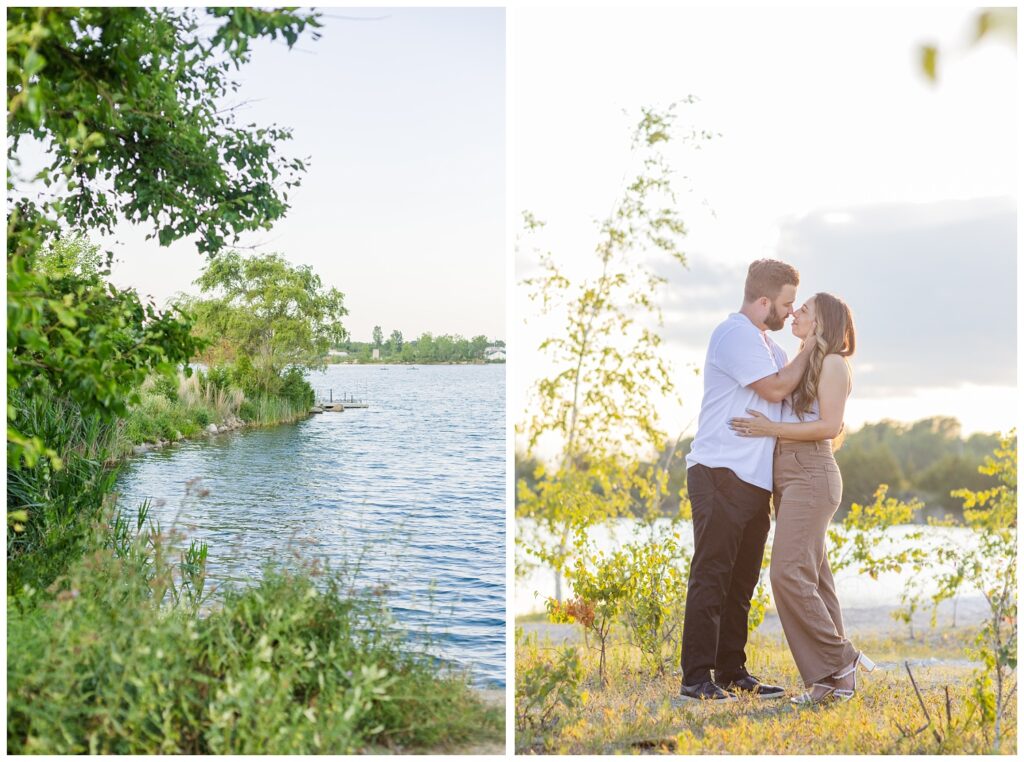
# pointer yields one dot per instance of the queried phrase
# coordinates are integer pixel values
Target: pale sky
(402, 113)
(833, 153)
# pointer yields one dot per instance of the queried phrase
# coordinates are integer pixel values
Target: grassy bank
(635, 712)
(116, 659)
(63, 496)
(113, 646)
(173, 409)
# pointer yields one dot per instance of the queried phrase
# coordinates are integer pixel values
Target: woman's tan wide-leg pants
(808, 488)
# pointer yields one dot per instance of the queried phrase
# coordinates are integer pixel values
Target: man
(729, 479)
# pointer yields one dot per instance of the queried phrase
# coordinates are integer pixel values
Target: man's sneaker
(748, 685)
(706, 691)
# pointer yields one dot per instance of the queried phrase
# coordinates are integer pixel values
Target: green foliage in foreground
(72, 335)
(129, 105)
(118, 661)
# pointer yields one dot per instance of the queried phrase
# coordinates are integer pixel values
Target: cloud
(932, 288)
(698, 298)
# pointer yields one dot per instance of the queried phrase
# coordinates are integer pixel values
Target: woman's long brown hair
(833, 334)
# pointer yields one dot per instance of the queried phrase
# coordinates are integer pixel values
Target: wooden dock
(330, 403)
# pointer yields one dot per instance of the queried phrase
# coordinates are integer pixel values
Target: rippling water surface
(412, 489)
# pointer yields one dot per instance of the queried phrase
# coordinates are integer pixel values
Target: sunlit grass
(636, 712)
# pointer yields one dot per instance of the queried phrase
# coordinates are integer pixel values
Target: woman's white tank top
(789, 415)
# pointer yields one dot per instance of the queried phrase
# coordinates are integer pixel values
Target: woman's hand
(758, 426)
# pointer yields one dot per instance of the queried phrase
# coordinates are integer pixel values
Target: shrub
(601, 588)
(245, 377)
(219, 376)
(166, 386)
(653, 608)
(248, 411)
(548, 687)
(296, 389)
(201, 417)
(117, 661)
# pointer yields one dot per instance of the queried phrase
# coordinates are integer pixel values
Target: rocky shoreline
(231, 424)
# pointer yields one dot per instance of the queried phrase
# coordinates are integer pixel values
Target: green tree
(599, 404)
(396, 342)
(378, 337)
(477, 345)
(277, 314)
(863, 469)
(445, 348)
(127, 104)
(425, 349)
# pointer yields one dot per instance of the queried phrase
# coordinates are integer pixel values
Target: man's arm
(832, 392)
(778, 386)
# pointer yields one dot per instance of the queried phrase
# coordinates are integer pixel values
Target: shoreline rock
(231, 424)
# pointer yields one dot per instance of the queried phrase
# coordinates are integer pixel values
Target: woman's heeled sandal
(845, 694)
(810, 699)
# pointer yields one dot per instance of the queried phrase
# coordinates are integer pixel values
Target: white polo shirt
(739, 354)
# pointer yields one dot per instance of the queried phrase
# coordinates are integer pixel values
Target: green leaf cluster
(73, 336)
(857, 540)
(129, 105)
(547, 687)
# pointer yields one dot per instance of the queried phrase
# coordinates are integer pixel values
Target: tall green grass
(62, 500)
(167, 410)
(266, 411)
(119, 661)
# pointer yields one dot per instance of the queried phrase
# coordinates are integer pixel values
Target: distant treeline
(927, 459)
(427, 348)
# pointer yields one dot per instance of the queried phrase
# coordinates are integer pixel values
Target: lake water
(854, 589)
(411, 489)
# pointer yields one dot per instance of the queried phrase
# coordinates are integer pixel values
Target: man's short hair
(766, 277)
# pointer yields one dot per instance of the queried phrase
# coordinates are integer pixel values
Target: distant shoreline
(436, 362)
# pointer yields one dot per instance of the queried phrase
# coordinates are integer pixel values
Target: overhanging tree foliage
(127, 102)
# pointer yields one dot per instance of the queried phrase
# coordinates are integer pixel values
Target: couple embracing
(766, 428)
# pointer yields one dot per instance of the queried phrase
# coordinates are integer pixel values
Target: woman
(808, 489)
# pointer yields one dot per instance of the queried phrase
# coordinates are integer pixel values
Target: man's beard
(774, 321)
